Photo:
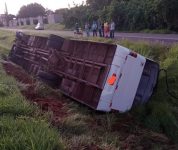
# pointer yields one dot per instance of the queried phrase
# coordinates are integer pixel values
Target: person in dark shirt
(87, 29)
(100, 28)
(94, 28)
(77, 28)
(103, 29)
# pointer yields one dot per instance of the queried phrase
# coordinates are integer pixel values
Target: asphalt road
(161, 38)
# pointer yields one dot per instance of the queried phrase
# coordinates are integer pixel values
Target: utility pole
(6, 11)
(6, 15)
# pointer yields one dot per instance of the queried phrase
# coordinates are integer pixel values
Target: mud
(47, 104)
(18, 73)
(52, 105)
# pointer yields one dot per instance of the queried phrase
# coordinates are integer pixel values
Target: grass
(158, 31)
(85, 127)
(12, 102)
(56, 26)
(25, 133)
(159, 114)
(21, 128)
(152, 31)
(6, 40)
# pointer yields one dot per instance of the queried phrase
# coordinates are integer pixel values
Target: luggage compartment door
(128, 83)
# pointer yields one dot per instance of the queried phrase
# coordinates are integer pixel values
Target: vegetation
(159, 31)
(160, 114)
(133, 15)
(6, 40)
(129, 15)
(21, 127)
(56, 26)
(31, 10)
(25, 133)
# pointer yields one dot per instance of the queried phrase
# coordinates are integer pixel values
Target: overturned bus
(102, 76)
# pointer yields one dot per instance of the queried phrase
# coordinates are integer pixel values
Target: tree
(127, 14)
(168, 11)
(77, 14)
(31, 10)
(98, 4)
(11, 17)
(48, 11)
(117, 11)
(61, 11)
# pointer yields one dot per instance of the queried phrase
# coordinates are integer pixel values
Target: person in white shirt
(87, 29)
(112, 29)
(94, 28)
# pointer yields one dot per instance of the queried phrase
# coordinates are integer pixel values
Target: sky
(13, 6)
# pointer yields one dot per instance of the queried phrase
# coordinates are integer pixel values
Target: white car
(39, 26)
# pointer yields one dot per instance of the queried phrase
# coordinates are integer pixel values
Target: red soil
(52, 105)
(17, 72)
(46, 104)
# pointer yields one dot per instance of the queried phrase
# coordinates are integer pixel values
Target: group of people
(104, 29)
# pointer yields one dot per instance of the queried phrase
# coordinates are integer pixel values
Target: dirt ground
(47, 104)
(138, 139)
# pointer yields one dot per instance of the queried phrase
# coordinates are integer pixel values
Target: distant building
(3, 20)
(49, 19)
(4, 17)
(55, 18)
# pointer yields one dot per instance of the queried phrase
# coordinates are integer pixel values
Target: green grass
(85, 127)
(21, 128)
(160, 113)
(24, 133)
(28, 27)
(11, 100)
(158, 31)
(56, 26)
(6, 40)
(153, 31)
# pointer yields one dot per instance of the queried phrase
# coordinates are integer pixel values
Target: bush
(159, 114)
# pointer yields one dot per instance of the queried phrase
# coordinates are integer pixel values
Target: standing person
(77, 28)
(103, 29)
(100, 28)
(106, 29)
(87, 29)
(112, 29)
(94, 28)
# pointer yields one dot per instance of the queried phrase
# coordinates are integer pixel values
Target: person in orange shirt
(106, 29)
